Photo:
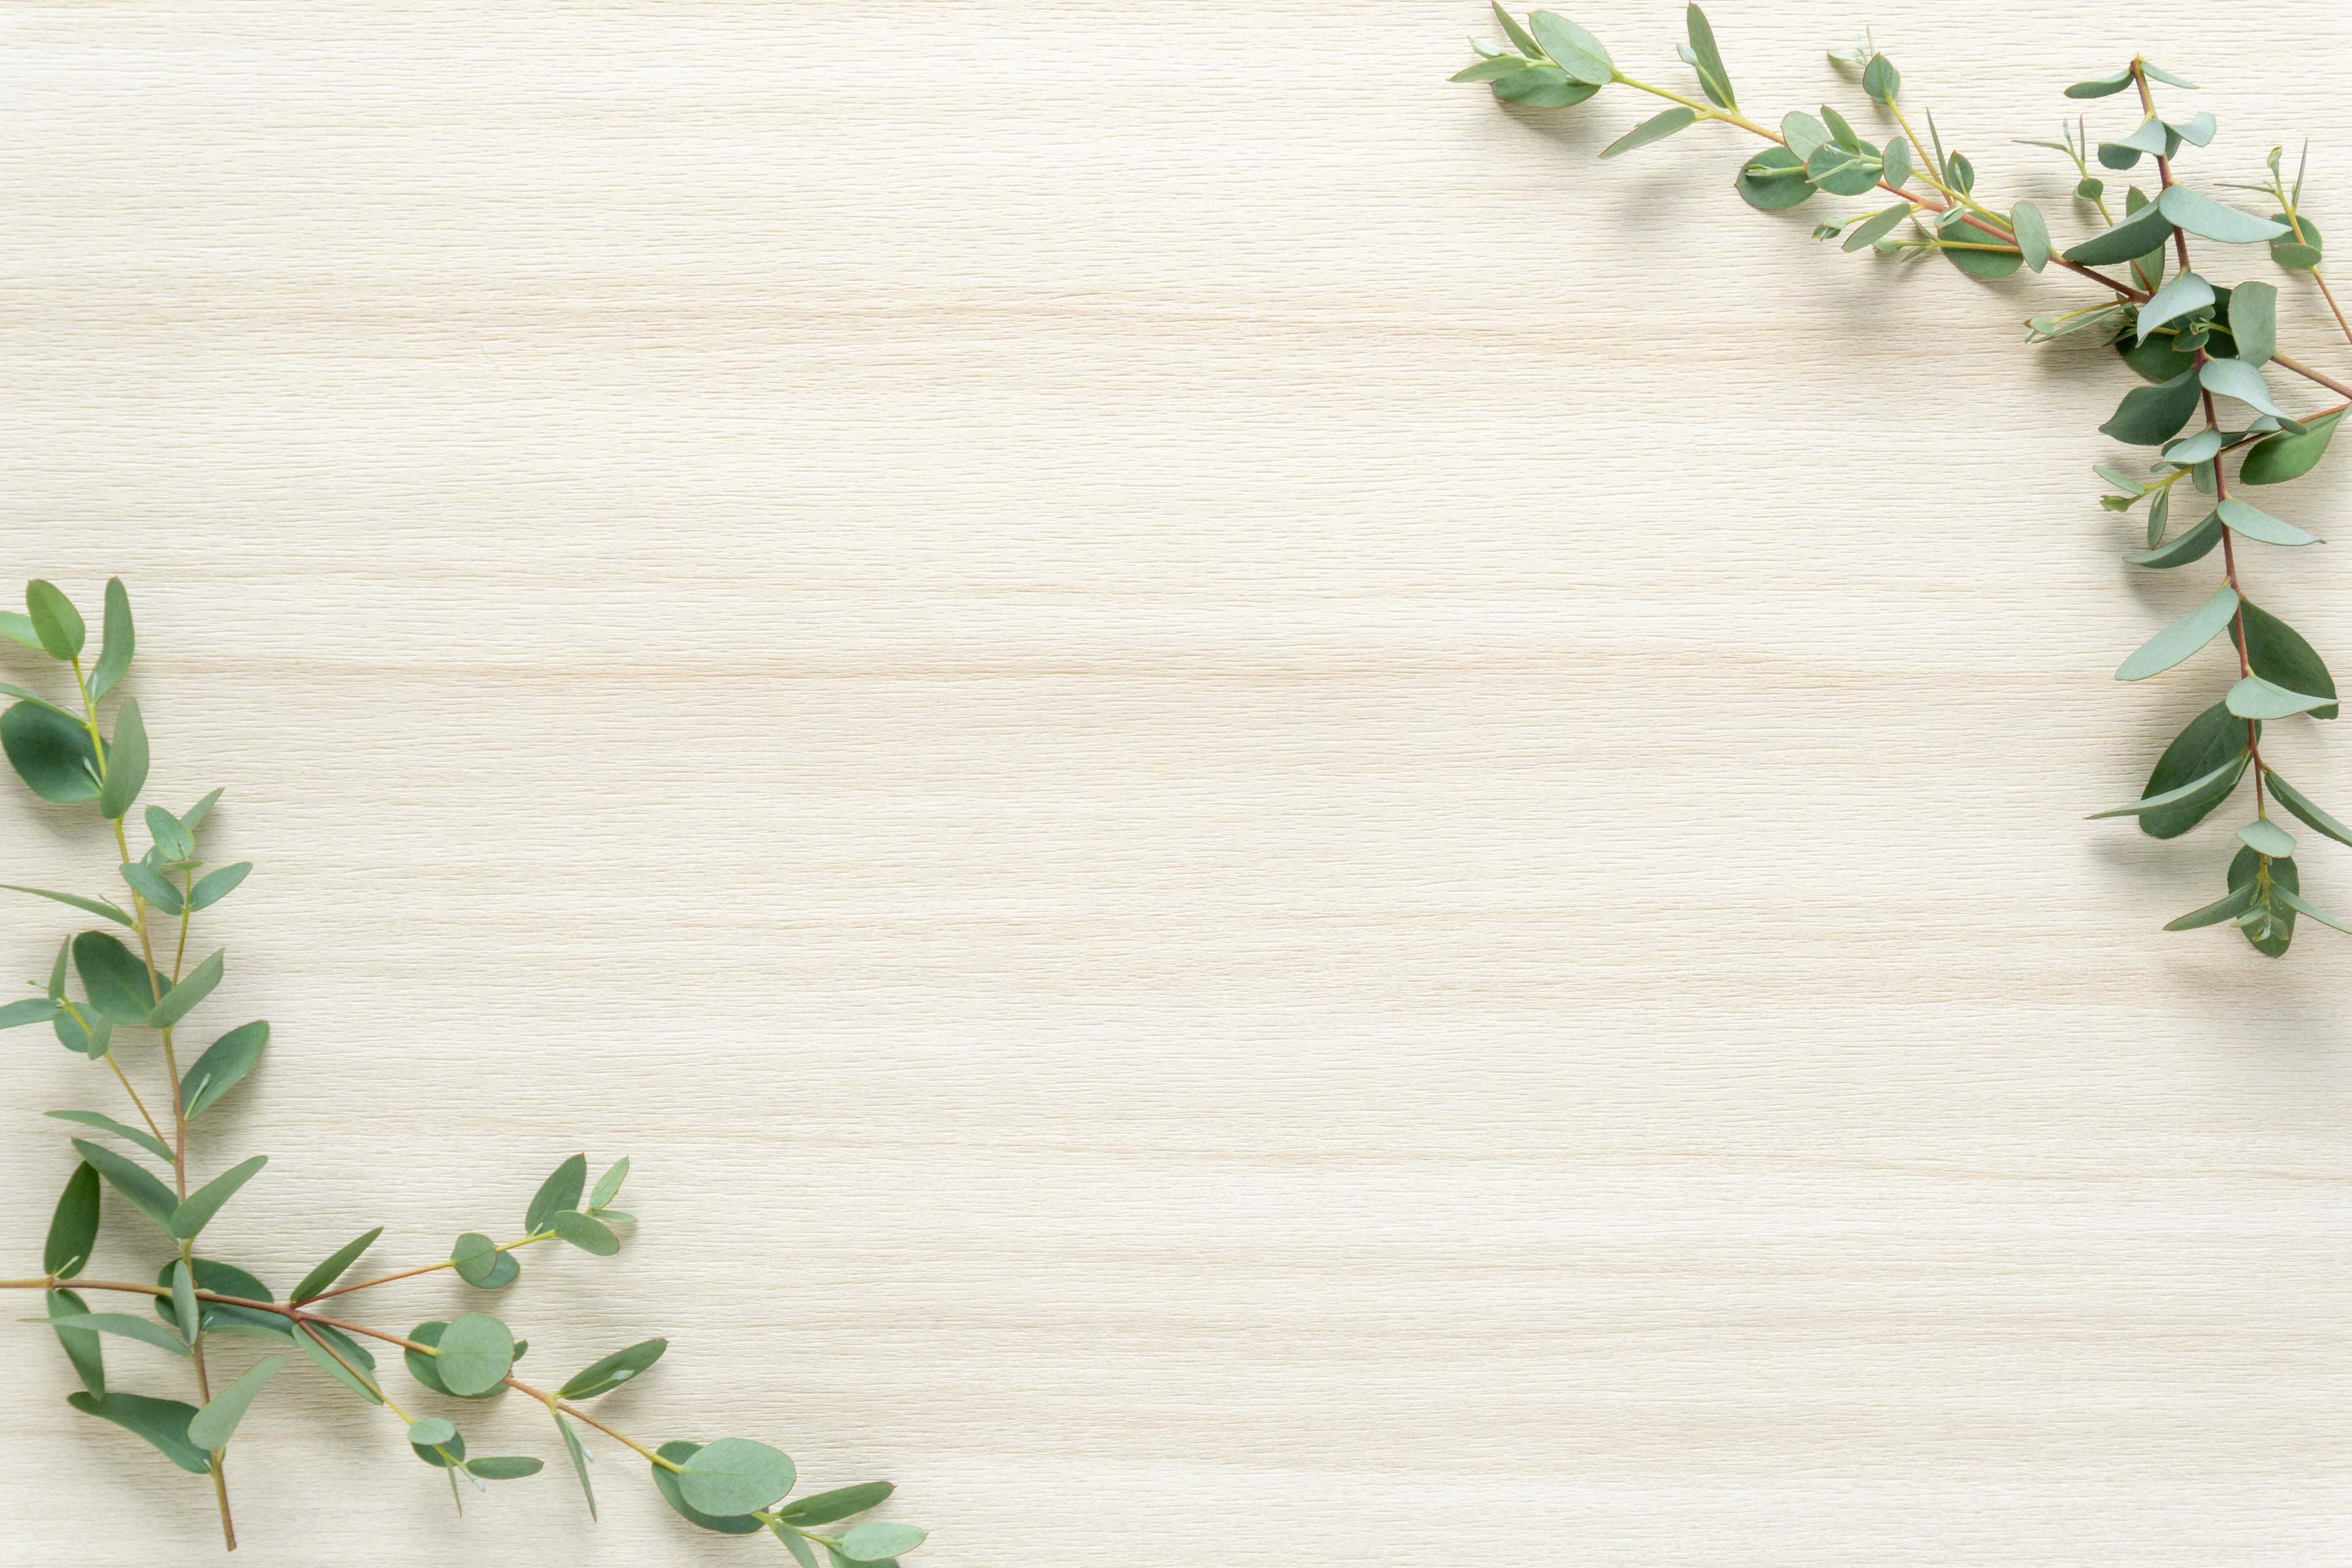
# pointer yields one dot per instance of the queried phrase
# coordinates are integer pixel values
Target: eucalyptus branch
(734, 1486)
(2196, 343)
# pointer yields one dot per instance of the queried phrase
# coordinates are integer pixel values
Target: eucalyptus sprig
(2200, 345)
(136, 995)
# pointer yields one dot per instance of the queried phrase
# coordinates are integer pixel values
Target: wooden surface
(1288, 827)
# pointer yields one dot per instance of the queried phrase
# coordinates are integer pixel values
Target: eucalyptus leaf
(129, 1327)
(2186, 207)
(1804, 133)
(476, 1353)
(328, 1272)
(2230, 770)
(146, 1140)
(1773, 181)
(2151, 415)
(579, 1456)
(1521, 40)
(310, 1340)
(2312, 816)
(1657, 127)
(54, 620)
(1895, 166)
(2182, 296)
(114, 978)
(825, 1507)
(90, 906)
(608, 1185)
(667, 1483)
(2032, 235)
(562, 1190)
(2255, 523)
(2294, 901)
(1707, 60)
(51, 753)
(476, 1257)
(2278, 458)
(2253, 320)
(73, 1227)
(1875, 228)
(223, 1067)
(215, 886)
(181, 998)
(2254, 698)
(736, 1475)
(2267, 838)
(2228, 907)
(1572, 49)
(125, 774)
(586, 1234)
(1883, 83)
(211, 1427)
(2235, 378)
(82, 1348)
(613, 1370)
(197, 1209)
(2103, 87)
(1542, 87)
(31, 1010)
(2183, 638)
(163, 1423)
(115, 650)
(2143, 231)
(132, 1180)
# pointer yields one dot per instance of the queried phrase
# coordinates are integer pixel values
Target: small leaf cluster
(119, 1000)
(2204, 350)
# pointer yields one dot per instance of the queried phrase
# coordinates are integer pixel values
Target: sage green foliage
(2202, 348)
(119, 1001)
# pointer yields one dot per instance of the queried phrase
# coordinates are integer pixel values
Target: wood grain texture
(1287, 827)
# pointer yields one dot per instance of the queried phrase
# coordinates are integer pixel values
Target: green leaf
(2235, 378)
(116, 980)
(308, 1340)
(114, 653)
(2182, 296)
(183, 1301)
(2245, 870)
(2295, 902)
(475, 1255)
(476, 1353)
(613, 1371)
(2195, 788)
(2267, 838)
(1488, 70)
(1521, 38)
(1773, 181)
(2229, 907)
(2151, 136)
(56, 986)
(327, 1273)
(431, 1433)
(73, 1227)
(2183, 638)
(2253, 320)
(2160, 73)
(194, 989)
(1572, 49)
(1657, 127)
(2103, 87)
(170, 835)
(803, 1553)
(197, 1210)
(504, 1468)
(878, 1541)
(31, 1010)
(2295, 801)
(162, 1422)
(223, 1065)
(608, 1185)
(442, 1455)
(54, 620)
(736, 1475)
(129, 1327)
(126, 763)
(50, 753)
(1542, 87)
(215, 886)
(2280, 458)
(2032, 235)
(2254, 698)
(1804, 134)
(666, 1483)
(151, 885)
(214, 1425)
(1882, 82)
(85, 1030)
(19, 628)
(823, 1508)
(228, 1280)
(560, 1191)
(2299, 249)
(1842, 171)
(99, 906)
(2199, 214)
(2255, 523)
(1714, 80)
(82, 1348)
(1895, 166)
(579, 1456)
(1872, 230)
(152, 1144)
(586, 1234)
(2151, 415)
(1985, 264)
(196, 813)
(2143, 231)
(148, 1196)
(425, 1368)
(2201, 446)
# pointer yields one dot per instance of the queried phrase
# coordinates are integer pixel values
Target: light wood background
(1288, 828)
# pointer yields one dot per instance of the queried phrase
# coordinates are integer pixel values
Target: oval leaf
(2183, 638)
(735, 1476)
(476, 1354)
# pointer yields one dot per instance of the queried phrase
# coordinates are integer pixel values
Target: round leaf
(878, 1541)
(476, 1353)
(734, 1476)
(430, 1431)
(666, 1482)
(1773, 181)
